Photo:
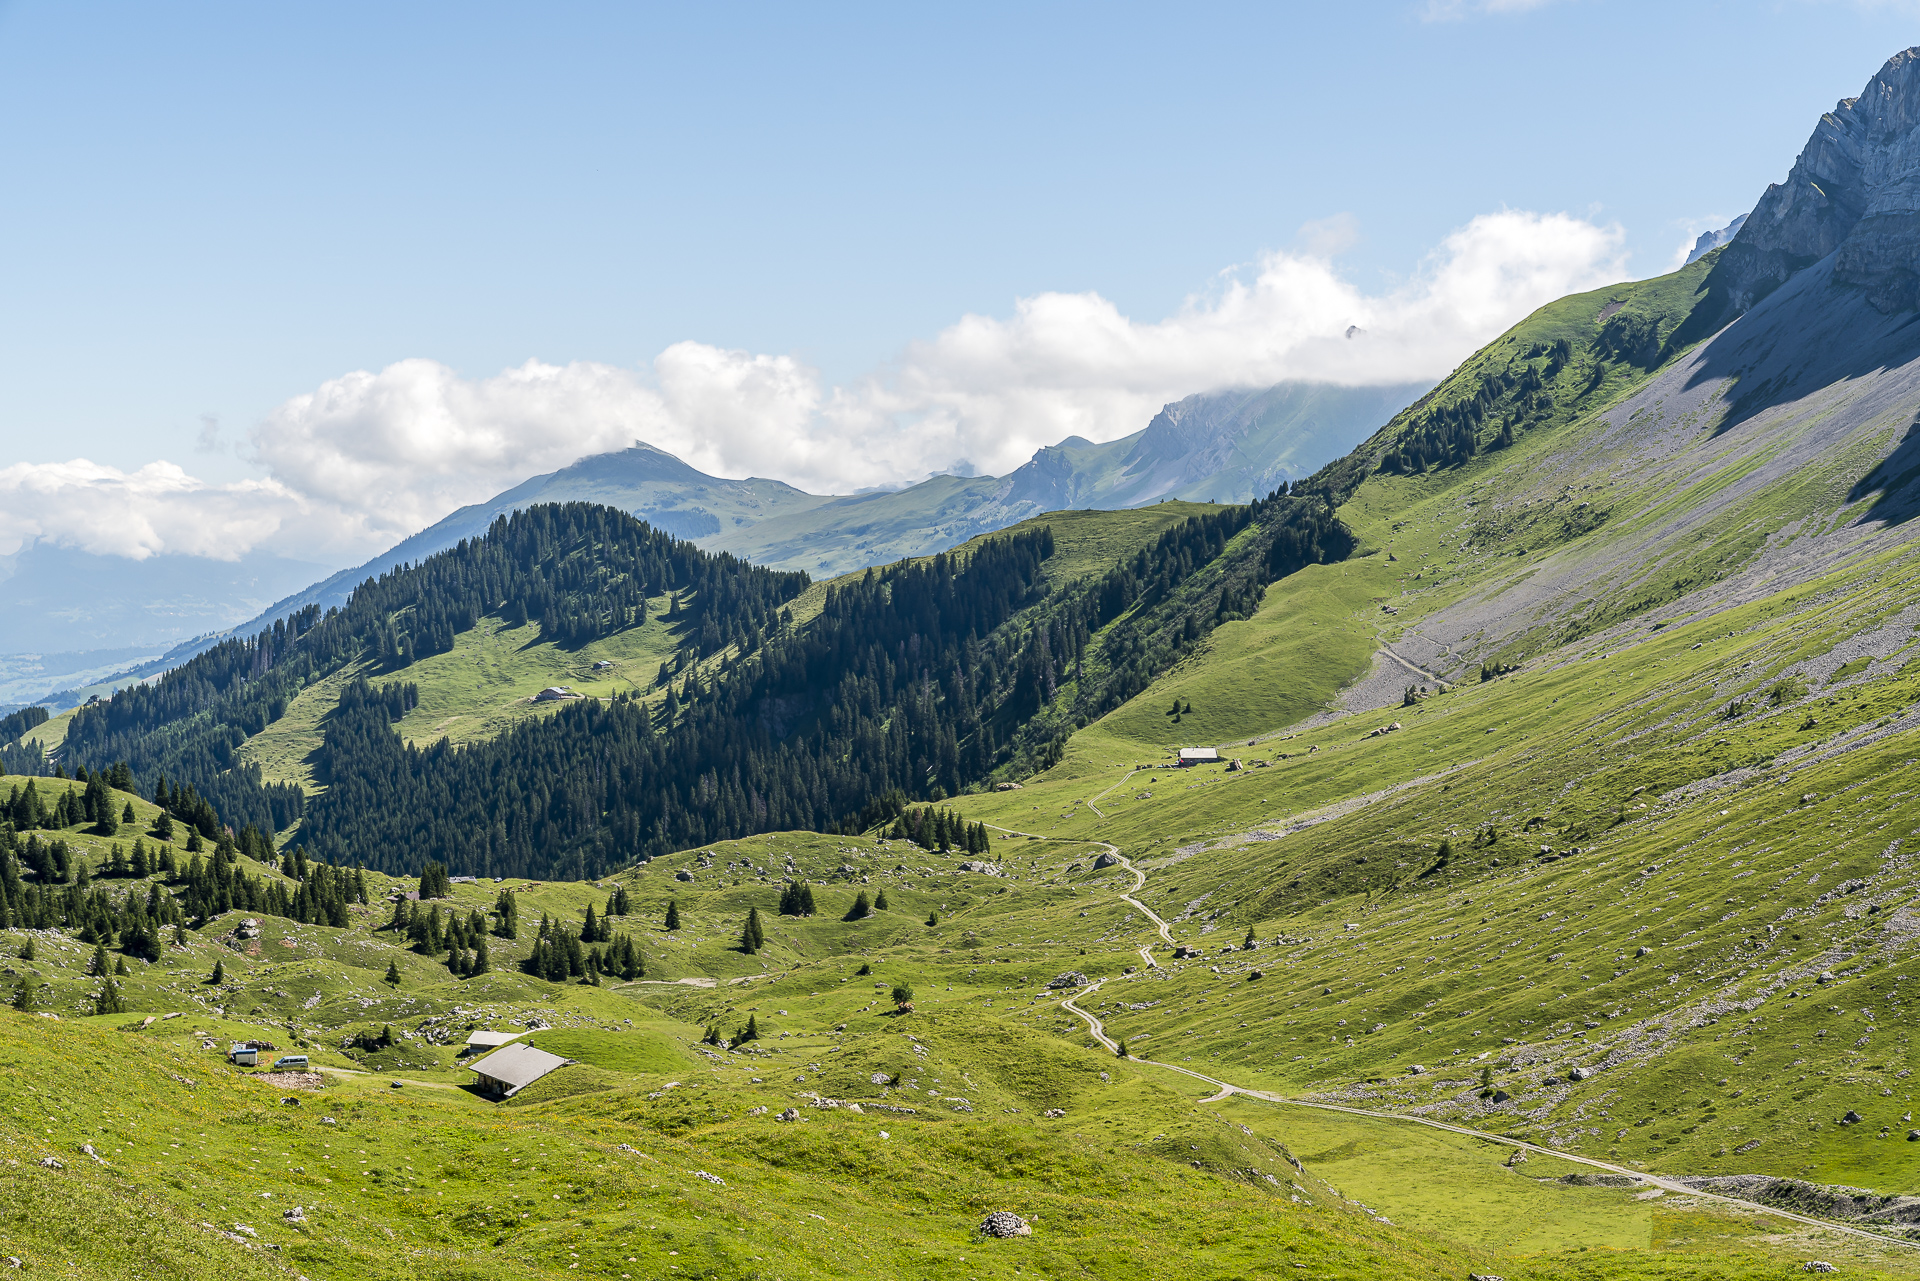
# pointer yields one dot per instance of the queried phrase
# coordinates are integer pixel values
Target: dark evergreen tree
(107, 999)
(23, 996)
(861, 909)
(393, 973)
(752, 937)
(880, 901)
(219, 974)
(673, 914)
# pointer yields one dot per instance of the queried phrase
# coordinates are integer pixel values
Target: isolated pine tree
(97, 964)
(127, 815)
(673, 913)
(219, 974)
(393, 973)
(590, 931)
(806, 899)
(120, 966)
(107, 999)
(480, 962)
(902, 996)
(27, 952)
(933, 918)
(1120, 1051)
(750, 935)
(880, 901)
(23, 998)
(862, 908)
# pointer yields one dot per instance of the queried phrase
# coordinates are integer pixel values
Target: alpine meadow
(1492, 853)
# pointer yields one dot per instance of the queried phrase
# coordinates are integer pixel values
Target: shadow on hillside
(1806, 335)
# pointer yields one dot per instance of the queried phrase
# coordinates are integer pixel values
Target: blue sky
(213, 209)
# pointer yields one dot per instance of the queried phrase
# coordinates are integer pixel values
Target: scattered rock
(295, 1215)
(1484, 1276)
(1851, 1118)
(1826, 976)
(683, 875)
(1072, 978)
(1054, 1113)
(1185, 953)
(1003, 1223)
(1417, 1069)
(53, 1163)
(982, 867)
(1817, 1265)
(88, 1149)
(1643, 950)
(1255, 974)
(710, 1178)
(1501, 1096)
(759, 1111)
(1007, 787)
(791, 1114)
(244, 1230)
(1580, 1074)
(1105, 860)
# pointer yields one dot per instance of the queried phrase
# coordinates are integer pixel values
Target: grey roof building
(513, 1068)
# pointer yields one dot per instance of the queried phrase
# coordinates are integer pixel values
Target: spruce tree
(1248, 941)
(393, 973)
(752, 937)
(127, 815)
(1121, 1050)
(590, 932)
(933, 918)
(751, 1032)
(27, 951)
(806, 899)
(880, 901)
(480, 962)
(120, 967)
(23, 996)
(219, 974)
(673, 913)
(862, 908)
(97, 964)
(107, 1000)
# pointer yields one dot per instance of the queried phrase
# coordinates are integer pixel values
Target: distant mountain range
(1227, 447)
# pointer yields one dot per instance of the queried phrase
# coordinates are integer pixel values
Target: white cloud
(1456, 10)
(138, 514)
(367, 458)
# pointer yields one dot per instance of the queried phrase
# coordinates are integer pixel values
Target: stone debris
(88, 1149)
(1007, 787)
(53, 1163)
(981, 867)
(710, 1178)
(1004, 1223)
(1072, 978)
(1817, 1265)
(791, 1114)
(1054, 1114)
(759, 1111)
(1105, 859)
(295, 1215)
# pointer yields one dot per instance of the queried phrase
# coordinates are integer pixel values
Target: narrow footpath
(1226, 1089)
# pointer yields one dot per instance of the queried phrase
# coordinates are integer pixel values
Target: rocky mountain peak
(1853, 192)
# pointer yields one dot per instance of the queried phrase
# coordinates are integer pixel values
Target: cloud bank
(368, 458)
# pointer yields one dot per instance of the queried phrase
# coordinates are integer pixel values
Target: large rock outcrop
(1854, 192)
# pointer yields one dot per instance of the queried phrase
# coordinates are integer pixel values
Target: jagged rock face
(1854, 192)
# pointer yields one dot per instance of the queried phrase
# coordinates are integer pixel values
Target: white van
(290, 1063)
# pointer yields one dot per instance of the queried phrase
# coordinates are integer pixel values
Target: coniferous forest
(914, 682)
